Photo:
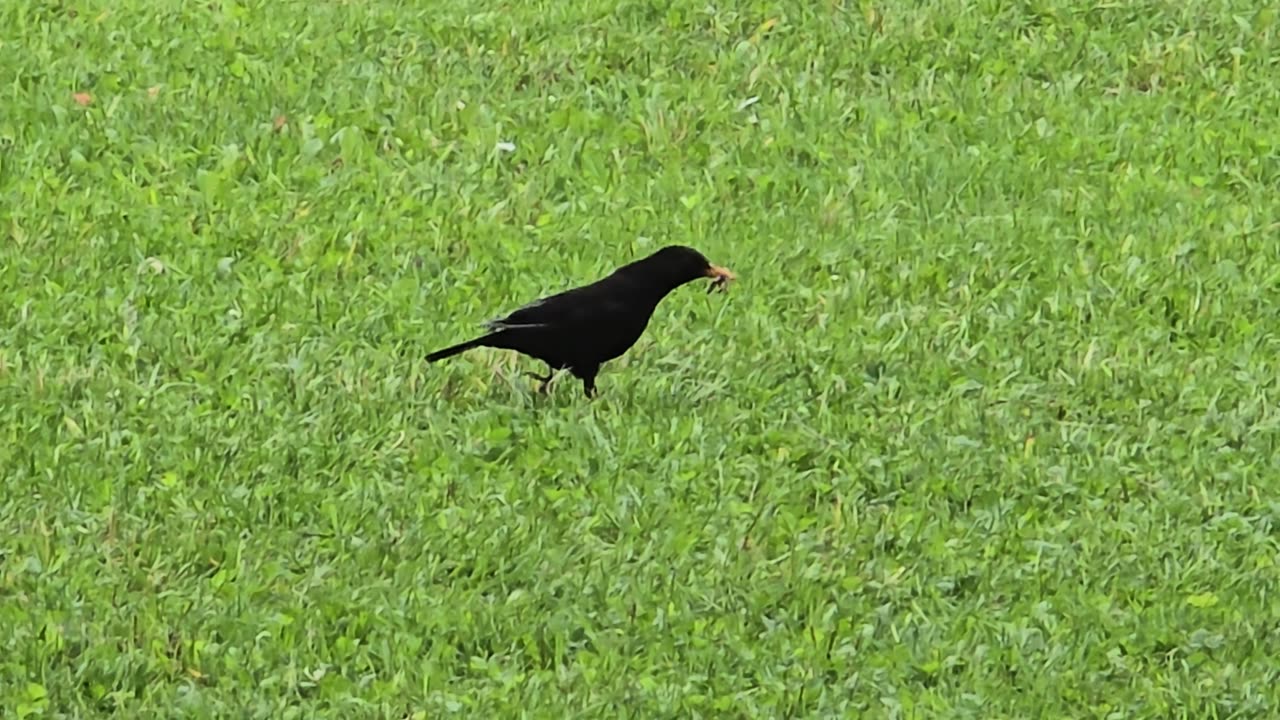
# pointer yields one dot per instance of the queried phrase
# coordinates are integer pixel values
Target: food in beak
(720, 278)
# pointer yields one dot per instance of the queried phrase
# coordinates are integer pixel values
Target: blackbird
(579, 329)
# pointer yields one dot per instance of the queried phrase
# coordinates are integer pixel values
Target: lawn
(987, 427)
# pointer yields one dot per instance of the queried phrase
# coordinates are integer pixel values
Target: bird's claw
(544, 380)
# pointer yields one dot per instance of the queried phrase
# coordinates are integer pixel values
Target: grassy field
(987, 428)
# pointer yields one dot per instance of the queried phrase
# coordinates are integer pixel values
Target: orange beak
(720, 273)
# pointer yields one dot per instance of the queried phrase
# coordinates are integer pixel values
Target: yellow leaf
(765, 27)
(73, 426)
(1202, 600)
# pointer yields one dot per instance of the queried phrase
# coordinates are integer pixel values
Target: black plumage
(580, 329)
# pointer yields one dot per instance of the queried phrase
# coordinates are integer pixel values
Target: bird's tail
(455, 349)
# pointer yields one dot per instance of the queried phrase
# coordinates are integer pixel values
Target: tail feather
(455, 349)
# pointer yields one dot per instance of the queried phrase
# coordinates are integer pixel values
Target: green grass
(986, 429)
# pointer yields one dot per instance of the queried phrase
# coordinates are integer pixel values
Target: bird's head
(675, 265)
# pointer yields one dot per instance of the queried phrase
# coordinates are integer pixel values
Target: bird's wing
(571, 308)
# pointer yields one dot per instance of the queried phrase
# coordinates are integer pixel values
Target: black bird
(579, 329)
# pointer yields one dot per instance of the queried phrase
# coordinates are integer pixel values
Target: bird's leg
(588, 376)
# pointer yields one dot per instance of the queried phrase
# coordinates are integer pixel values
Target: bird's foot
(544, 380)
